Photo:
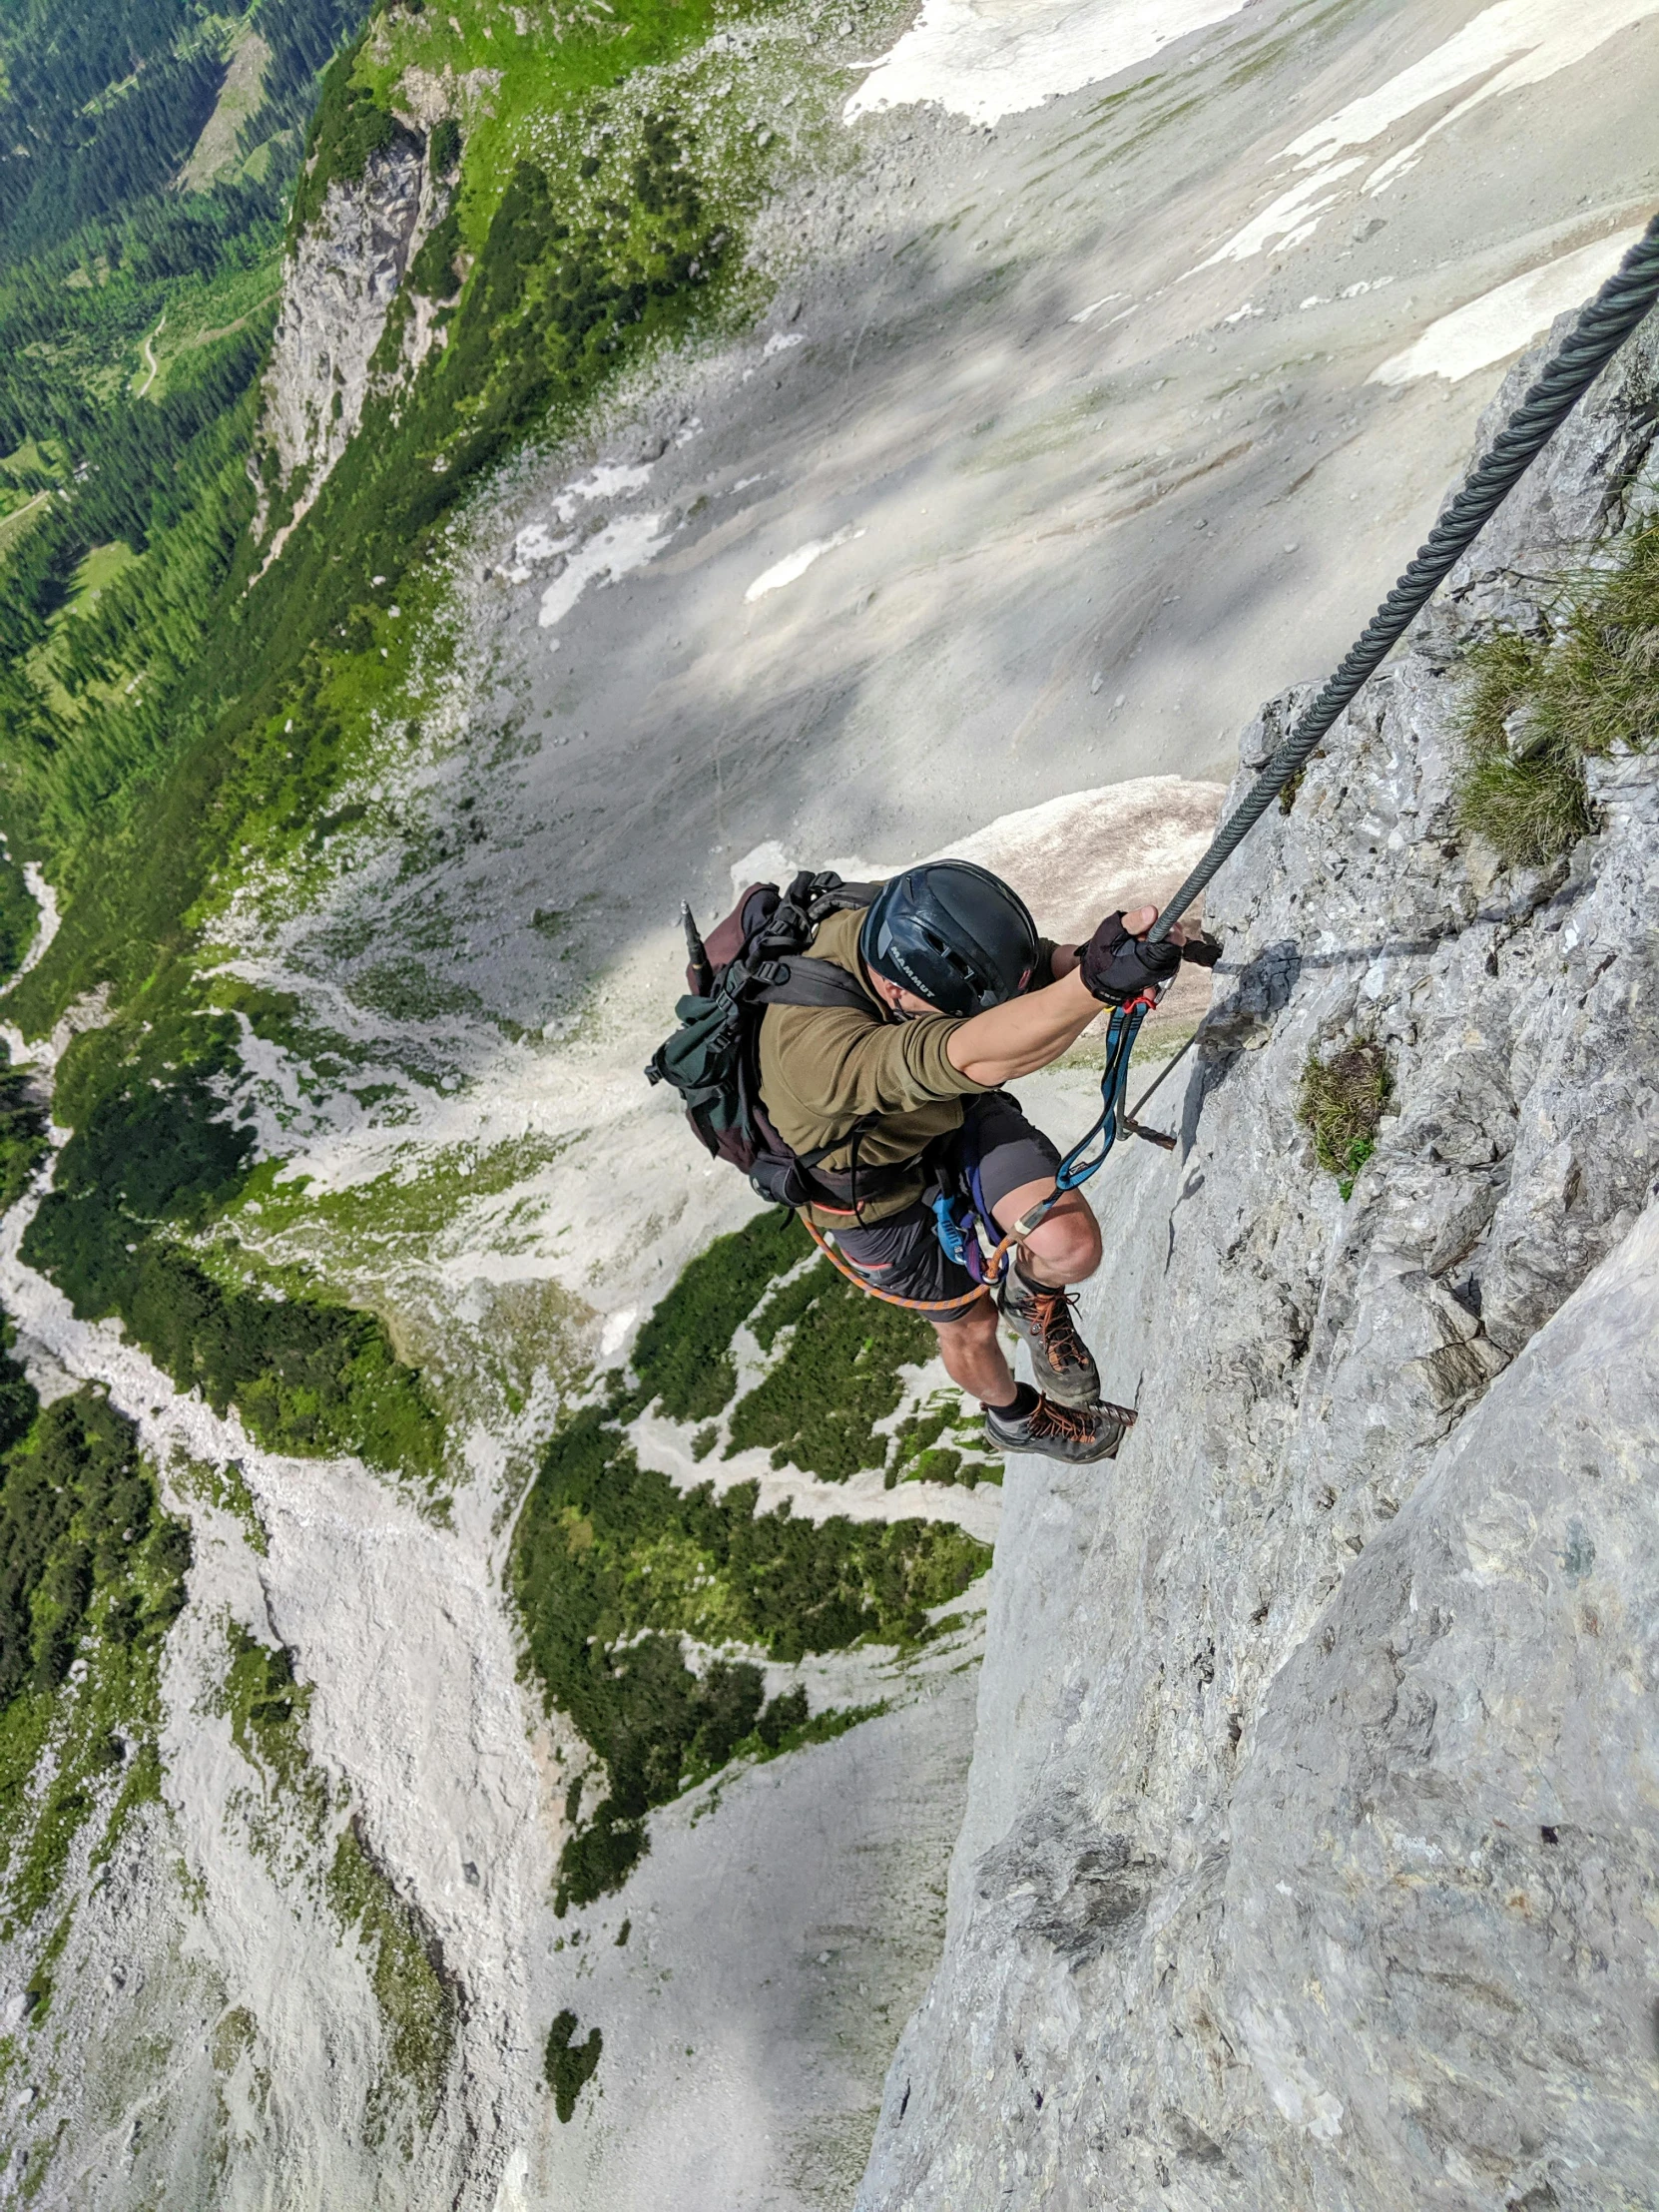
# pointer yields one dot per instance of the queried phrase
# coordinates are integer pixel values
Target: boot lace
(1058, 1331)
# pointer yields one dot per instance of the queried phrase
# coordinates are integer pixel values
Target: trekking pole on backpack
(699, 974)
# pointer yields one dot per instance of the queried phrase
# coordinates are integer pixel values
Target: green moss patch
(23, 1143)
(224, 1487)
(291, 1817)
(268, 1710)
(1340, 1102)
(349, 128)
(153, 1161)
(817, 1408)
(613, 1568)
(92, 1576)
(84, 1547)
(920, 1456)
(565, 64)
(19, 916)
(286, 1814)
(406, 1971)
(683, 1354)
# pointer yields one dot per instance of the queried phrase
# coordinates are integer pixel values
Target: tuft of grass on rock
(1521, 788)
(1603, 680)
(1340, 1102)
(1539, 706)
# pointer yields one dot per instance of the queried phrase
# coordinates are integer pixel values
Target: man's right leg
(1017, 1166)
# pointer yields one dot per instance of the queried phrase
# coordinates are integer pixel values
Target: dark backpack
(757, 959)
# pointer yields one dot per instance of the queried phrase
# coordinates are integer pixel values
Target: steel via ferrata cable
(1602, 328)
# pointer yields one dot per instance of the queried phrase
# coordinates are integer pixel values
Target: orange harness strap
(890, 1297)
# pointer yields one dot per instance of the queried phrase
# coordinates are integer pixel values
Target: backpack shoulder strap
(842, 896)
(802, 982)
(812, 898)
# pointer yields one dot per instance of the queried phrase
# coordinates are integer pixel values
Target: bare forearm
(1026, 1033)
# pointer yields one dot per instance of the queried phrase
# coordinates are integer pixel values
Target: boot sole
(1066, 1458)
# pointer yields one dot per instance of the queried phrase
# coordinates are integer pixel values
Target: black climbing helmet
(953, 933)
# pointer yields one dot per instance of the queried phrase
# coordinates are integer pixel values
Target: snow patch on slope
(794, 565)
(1286, 221)
(1502, 322)
(990, 58)
(1516, 43)
(610, 554)
(1503, 49)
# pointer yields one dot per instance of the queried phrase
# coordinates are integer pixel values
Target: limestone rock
(1312, 1813)
(338, 291)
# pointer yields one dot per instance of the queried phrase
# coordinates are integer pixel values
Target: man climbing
(962, 997)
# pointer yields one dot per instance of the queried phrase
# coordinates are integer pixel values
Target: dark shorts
(903, 1254)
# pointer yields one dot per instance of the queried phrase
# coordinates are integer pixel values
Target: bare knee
(1066, 1246)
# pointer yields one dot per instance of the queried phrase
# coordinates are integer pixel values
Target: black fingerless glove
(1116, 967)
(1201, 951)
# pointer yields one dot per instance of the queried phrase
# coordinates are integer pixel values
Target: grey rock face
(1312, 1834)
(338, 291)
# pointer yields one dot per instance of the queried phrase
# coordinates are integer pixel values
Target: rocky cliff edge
(342, 275)
(1312, 1834)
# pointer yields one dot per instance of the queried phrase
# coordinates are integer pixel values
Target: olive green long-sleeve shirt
(824, 1068)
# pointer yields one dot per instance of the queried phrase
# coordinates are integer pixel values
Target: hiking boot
(1078, 1432)
(1062, 1365)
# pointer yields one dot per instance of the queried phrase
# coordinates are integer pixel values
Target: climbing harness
(1601, 329)
(892, 1297)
